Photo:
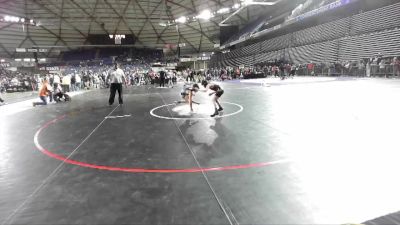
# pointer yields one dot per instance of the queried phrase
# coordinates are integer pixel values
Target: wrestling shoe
(220, 109)
(215, 113)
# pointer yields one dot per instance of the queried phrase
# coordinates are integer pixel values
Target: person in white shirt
(116, 77)
(56, 80)
(170, 75)
(66, 82)
(78, 81)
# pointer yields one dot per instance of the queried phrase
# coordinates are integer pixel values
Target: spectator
(66, 82)
(396, 66)
(43, 93)
(2, 102)
(78, 81)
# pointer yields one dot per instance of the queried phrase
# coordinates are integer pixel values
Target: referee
(117, 77)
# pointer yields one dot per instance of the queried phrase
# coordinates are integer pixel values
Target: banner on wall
(5, 65)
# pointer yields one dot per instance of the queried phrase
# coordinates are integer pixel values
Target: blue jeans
(44, 101)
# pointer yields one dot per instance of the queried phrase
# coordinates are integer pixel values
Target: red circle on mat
(140, 170)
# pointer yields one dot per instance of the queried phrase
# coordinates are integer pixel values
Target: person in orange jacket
(43, 93)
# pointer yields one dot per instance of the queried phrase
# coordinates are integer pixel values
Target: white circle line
(194, 118)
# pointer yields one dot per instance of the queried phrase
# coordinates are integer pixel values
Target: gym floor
(301, 151)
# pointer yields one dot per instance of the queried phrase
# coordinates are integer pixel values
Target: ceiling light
(223, 10)
(236, 6)
(17, 60)
(11, 19)
(205, 15)
(2, 60)
(22, 20)
(27, 60)
(252, 2)
(162, 24)
(181, 19)
(14, 19)
(247, 2)
(42, 60)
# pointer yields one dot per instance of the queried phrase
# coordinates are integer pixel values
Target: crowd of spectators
(16, 81)
(139, 71)
(377, 66)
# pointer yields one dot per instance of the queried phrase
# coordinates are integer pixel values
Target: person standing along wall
(117, 77)
(78, 81)
(396, 66)
(56, 81)
(66, 82)
(1, 100)
(368, 69)
(73, 82)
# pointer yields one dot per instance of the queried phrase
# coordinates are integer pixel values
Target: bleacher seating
(383, 18)
(318, 53)
(351, 38)
(323, 32)
(386, 42)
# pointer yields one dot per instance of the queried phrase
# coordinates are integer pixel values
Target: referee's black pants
(162, 82)
(113, 88)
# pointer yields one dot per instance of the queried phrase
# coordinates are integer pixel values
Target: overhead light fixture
(2, 60)
(181, 19)
(17, 60)
(22, 20)
(27, 60)
(205, 15)
(223, 10)
(162, 24)
(118, 36)
(247, 2)
(252, 2)
(236, 6)
(11, 19)
(42, 60)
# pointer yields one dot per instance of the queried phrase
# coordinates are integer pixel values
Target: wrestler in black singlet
(218, 90)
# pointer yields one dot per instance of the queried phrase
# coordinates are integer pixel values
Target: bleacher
(351, 38)
(386, 42)
(323, 32)
(249, 28)
(383, 18)
(319, 52)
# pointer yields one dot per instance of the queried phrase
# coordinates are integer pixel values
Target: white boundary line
(116, 117)
(10, 218)
(194, 118)
(220, 203)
